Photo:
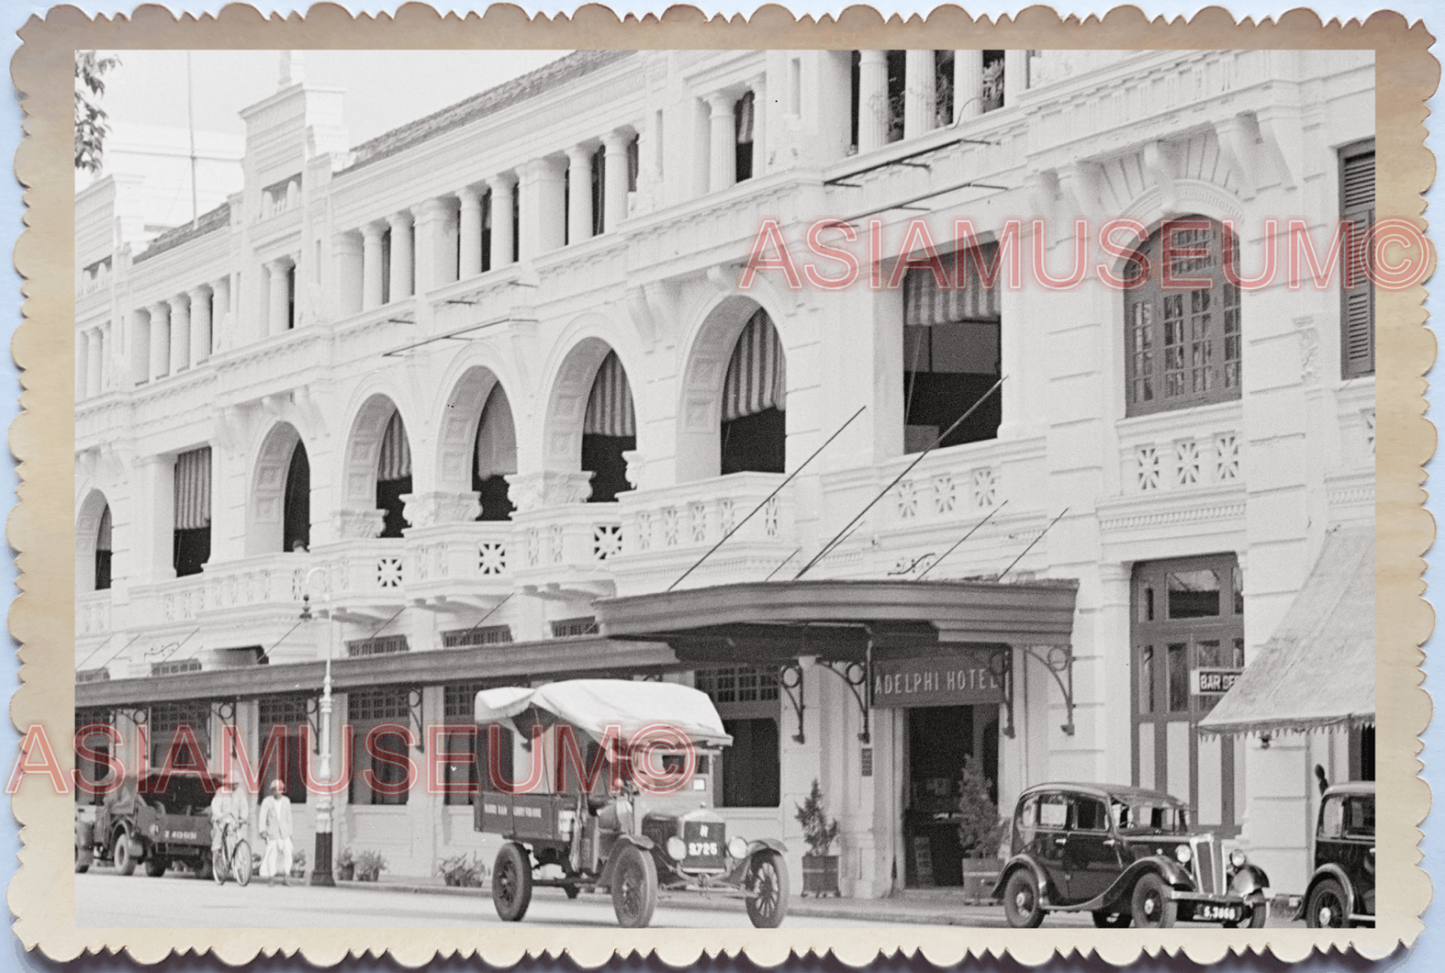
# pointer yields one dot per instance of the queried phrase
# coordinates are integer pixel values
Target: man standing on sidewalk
(276, 832)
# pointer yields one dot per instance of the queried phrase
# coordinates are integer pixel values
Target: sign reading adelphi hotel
(963, 680)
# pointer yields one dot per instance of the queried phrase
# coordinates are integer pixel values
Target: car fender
(604, 881)
(739, 872)
(1249, 880)
(1122, 889)
(1338, 874)
(771, 844)
(1016, 863)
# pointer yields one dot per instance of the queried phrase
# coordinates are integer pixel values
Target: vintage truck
(143, 823)
(630, 840)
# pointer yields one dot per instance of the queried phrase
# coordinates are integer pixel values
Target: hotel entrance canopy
(1318, 669)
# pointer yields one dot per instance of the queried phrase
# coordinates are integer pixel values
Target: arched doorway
(93, 544)
(296, 515)
(754, 434)
(393, 476)
(278, 516)
(609, 430)
(494, 456)
(103, 551)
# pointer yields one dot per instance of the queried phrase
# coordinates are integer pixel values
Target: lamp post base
(321, 874)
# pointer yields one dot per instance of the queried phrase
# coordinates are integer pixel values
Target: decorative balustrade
(1181, 463)
(371, 570)
(579, 536)
(453, 561)
(698, 515)
(92, 614)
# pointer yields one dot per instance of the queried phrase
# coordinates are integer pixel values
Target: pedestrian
(228, 809)
(276, 832)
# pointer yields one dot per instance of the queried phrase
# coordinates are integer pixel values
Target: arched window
(1181, 334)
(102, 551)
(296, 522)
(495, 456)
(754, 432)
(191, 539)
(393, 477)
(608, 430)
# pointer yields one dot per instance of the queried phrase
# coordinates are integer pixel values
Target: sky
(384, 89)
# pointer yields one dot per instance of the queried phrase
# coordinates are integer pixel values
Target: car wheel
(1104, 919)
(124, 860)
(1152, 906)
(1256, 913)
(156, 866)
(203, 867)
(1327, 908)
(512, 882)
(1021, 901)
(241, 863)
(634, 888)
(769, 881)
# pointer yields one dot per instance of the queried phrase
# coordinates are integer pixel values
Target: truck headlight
(676, 850)
(737, 847)
(1184, 854)
(1238, 859)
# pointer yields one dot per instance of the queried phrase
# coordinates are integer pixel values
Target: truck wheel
(124, 860)
(1327, 908)
(156, 866)
(512, 882)
(1021, 901)
(770, 881)
(202, 867)
(1152, 907)
(634, 887)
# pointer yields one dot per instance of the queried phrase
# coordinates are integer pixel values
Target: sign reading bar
(1214, 682)
(963, 679)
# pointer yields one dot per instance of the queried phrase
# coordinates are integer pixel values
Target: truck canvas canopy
(594, 705)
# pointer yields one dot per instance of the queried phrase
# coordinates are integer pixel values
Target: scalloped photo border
(41, 527)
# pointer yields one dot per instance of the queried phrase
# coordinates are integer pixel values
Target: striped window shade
(395, 460)
(609, 407)
(193, 489)
(102, 536)
(757, 374)
(496, 437)
(745, 119)
(925, 303)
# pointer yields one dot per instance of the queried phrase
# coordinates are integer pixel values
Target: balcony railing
(567, 544)
(455, 563)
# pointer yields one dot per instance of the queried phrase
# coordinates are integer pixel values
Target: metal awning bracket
(1059, 661)
(858, 679)
(790, 677)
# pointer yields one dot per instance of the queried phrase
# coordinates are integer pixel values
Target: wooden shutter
(1357, 291)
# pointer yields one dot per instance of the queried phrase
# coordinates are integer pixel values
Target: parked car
(143, 822)
(1125, 855)
(626, 841)
(1341, 892)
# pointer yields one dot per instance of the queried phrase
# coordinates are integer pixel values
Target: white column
(543, 217)
(200, 324)
(967, 84)
(469, 231)
(614, 175)
(221, 312)
(1015, 76)
(279, 303)
(87, 349)
(180, 334)
(759, 86)
(350, 273)
(435, 261)
(371, 284)
(722, 142)
(503, 186)
(579, 194)
(401, 262)
(918, 93)
(872, 100)
(160, 340)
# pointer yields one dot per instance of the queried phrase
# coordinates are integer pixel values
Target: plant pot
(820, 875)
(346, 872)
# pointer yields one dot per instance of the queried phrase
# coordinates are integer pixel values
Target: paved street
(106, 900)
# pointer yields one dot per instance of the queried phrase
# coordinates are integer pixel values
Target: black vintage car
(1125, 855)
(630, 840)
(1341, 892)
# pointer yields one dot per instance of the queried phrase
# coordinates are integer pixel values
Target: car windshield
(1146, 816)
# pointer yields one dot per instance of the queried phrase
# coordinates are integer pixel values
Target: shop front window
(746, 698)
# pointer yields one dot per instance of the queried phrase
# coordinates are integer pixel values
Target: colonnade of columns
(920, 91)
(91, 347)
(722, 132)
(181, 329)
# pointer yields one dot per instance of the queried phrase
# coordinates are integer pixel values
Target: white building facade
(464, 385)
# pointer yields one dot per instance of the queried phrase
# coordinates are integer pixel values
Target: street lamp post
(321, 872)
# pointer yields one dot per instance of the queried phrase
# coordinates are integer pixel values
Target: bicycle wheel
(219, 869)
(241, 862)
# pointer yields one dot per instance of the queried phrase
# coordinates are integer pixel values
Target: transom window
(1182, 337)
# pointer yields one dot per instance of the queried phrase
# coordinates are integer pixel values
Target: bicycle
(235, 861)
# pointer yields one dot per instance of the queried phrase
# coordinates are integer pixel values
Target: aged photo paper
(494, 486)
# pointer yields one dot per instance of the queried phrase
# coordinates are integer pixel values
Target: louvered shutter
(496, 437)
(757, 375)
(609, 407)
(395, 460)
(1357, 297)
(925, 303)
(193, 489)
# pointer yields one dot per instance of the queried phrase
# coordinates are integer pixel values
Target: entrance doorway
(939, 739)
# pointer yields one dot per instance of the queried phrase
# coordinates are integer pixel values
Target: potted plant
(980, 829)
(346, 865)
(369, 866)
(298, 864)
(463, 871)
(820, 869)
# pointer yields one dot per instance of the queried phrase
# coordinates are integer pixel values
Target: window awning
(609, 406)
(496, 436)
(394, 462)
(1318, 669)
(193, 489)
(757, 372)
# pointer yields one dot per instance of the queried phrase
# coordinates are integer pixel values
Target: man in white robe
(276, 832)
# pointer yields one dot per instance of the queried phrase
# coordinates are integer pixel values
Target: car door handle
(1111, 842)
(1061, 841)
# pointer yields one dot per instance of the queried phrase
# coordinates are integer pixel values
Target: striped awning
(925, 303)
(609, 407)
(102, 536)
(193, 489)
(746, 110)
(496, 436)
(395, 460)
(757, 374)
